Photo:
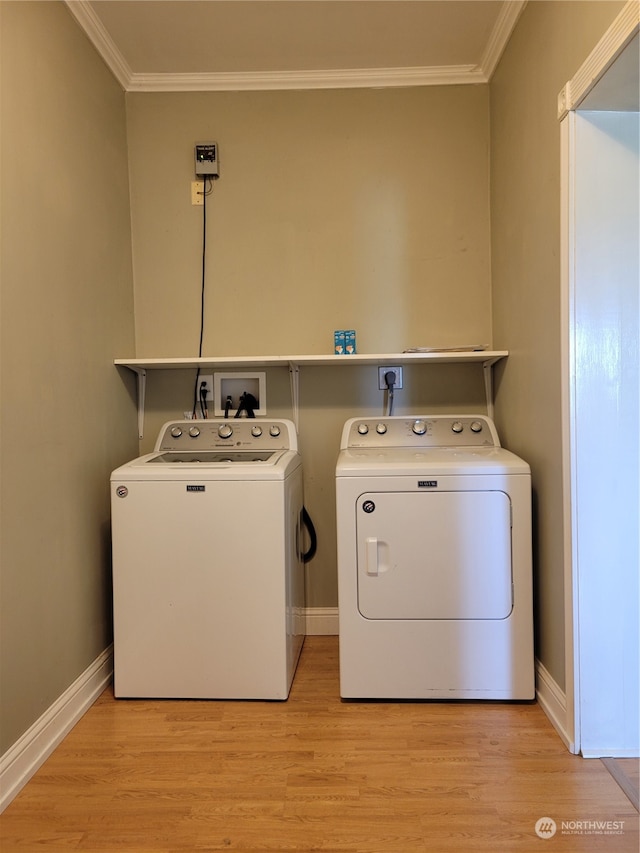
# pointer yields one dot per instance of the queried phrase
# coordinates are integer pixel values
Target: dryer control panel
(420, 431)
(238, 433)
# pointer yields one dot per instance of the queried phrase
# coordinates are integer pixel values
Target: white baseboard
(29, 752)
(553, 702)
(625, 752)
(321, 620)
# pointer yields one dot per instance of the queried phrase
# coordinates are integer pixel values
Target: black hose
(313, 544)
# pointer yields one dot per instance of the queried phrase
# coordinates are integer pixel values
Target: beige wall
(550, 43)
(67, 415)
(334, 209)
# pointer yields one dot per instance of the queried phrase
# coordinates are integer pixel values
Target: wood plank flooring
(316, 774)
(626, 772)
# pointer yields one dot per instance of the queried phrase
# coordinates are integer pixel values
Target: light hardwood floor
(315, 774)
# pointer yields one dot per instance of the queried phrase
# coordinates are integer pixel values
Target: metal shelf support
(294, 380)
(141, 381)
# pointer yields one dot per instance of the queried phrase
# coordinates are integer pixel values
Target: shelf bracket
(487, 370)
(294, 379)
(141, 380)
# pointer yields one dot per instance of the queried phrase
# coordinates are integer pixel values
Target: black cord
(204, 263)
(390, 381)
(202, 289)
(203, 400)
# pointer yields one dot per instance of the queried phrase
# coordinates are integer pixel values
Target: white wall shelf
(140, 366)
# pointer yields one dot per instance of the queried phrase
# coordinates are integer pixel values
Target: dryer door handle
(373, 567)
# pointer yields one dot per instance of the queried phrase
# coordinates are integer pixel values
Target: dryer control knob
(225, 431)
(381, 429)
(476, 426)
(256, 431)
(456, 426)
(419, 427)
(194, 432)
(176, 432)
(363, 429)
(274, 430)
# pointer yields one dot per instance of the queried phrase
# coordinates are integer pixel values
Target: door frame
(574, 95)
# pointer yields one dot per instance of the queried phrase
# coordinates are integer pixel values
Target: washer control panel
(420, 431)
(239, 433)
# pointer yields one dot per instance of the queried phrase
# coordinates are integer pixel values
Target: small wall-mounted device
(206, 155)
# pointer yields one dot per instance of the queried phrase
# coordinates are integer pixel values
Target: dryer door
(435, 555)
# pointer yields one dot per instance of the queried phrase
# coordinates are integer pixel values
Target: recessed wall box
(234, 385)
(207, 160)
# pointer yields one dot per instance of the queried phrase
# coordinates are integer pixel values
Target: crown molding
(613, 42)
(83, 12)
(373, 78)
(504, 26)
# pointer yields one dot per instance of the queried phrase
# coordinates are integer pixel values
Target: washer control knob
(419, 427)
(381, 428)
(176, 432)
(256, 431)
(476, 426)
(274, 430)
(456, 426)
(194, 432)
(363, 429)
(225, 431)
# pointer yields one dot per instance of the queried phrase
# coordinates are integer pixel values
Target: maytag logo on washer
(427, 484)
(122, 491)
(195, 488)
(368, 506)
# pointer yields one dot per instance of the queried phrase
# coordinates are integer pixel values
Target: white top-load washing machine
(208, 578)
(434, 561)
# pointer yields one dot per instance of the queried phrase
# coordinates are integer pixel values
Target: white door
(434, 555)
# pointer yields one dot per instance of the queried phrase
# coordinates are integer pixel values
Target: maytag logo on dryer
(427, 484)
(195, 488)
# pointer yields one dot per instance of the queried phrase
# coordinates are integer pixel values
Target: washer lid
(218, 457)
(210, 465)
(392, 461)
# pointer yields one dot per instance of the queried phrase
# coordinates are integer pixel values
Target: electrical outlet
(208, 380)
(382, 385)
(197, 192)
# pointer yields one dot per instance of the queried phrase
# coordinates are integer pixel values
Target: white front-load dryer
(208, 578)
(434, 561)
